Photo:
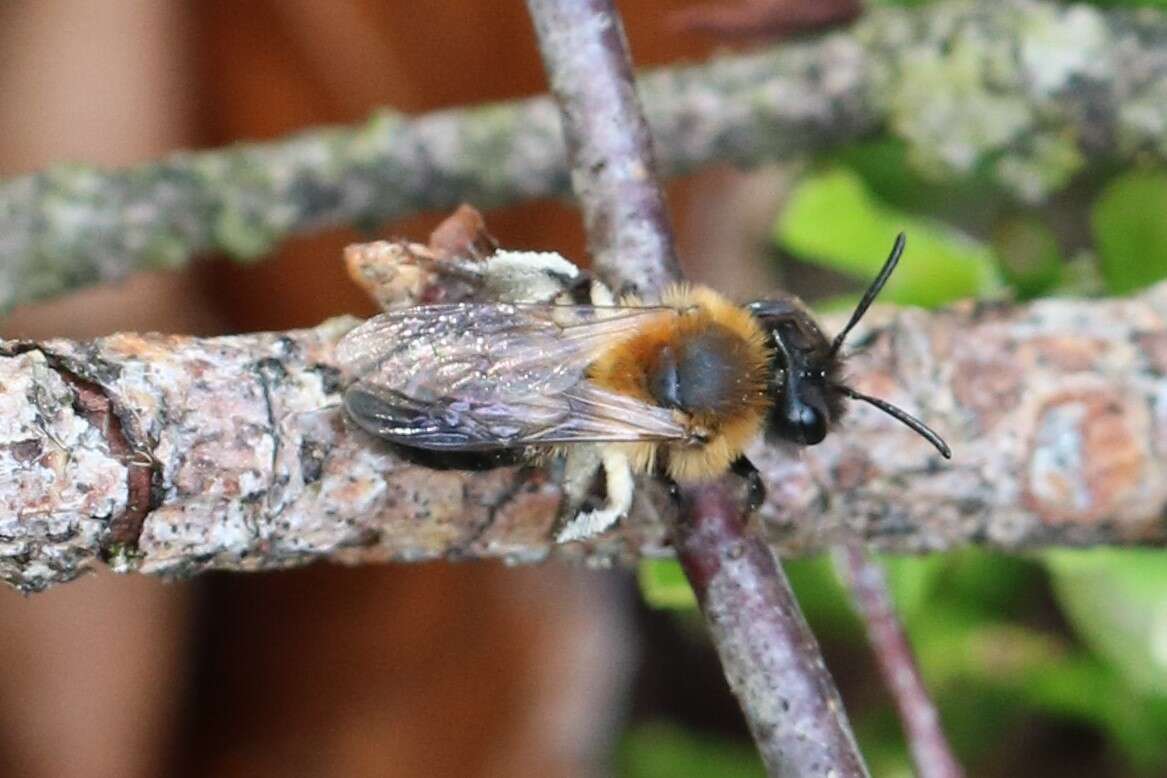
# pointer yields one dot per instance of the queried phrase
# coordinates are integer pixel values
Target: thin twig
(929, 75)
(897, 664)
(767, 651)
(772, 19)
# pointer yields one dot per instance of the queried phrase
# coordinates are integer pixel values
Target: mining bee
(678, 387)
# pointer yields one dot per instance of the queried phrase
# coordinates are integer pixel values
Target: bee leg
(581, 463)
(619, 483)
(600, 294)
(756, 487)
(579, 289)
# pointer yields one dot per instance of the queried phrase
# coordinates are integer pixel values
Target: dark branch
(759, 19)
(897, 664)
(770, 656)
(767, 650)
(609, 147)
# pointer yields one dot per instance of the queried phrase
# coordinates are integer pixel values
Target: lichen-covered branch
(1056, 412)
(1029, 91)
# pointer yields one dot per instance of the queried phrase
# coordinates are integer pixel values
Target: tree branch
(771, 658)
(867, 583)
(1053, 409)
(767, 651)
(968, 86)
(609, 147)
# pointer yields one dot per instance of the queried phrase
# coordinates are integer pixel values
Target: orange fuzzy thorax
(627, 368)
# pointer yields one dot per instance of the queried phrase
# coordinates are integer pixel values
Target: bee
(680, 387)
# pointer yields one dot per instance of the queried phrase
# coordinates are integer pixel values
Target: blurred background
(1054, 663)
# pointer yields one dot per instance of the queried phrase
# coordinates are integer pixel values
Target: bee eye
(798, 422)
(811, 425)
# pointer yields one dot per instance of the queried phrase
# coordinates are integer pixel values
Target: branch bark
(867, 583)
(609, 147)
(770, 657)
(1054, 410)
(767, 651)
(1026, 90)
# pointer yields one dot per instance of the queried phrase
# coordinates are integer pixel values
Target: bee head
(806, 384)
(803, 370)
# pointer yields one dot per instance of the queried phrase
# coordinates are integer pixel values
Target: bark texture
(172, 455)
(1025, 91)
(609, 145)
(770, 657)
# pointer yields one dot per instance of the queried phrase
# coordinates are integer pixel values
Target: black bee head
(806, 384)
(801, 415)
(802, 371)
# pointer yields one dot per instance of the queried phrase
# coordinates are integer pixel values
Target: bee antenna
(872, 292)
(899, 414)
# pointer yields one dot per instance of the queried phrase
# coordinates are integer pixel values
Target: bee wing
(477, 376)
(582, 414)
(487, 351)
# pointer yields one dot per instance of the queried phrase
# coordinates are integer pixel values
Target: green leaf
(665, 751)
(912, 580)
(989, 584)
(823, 598)
(886, 169)
(1091, 691)
(1031, 259)
(663, 585)
(881, 741)
(1117, 602)
(834, 221)
(1130, 231)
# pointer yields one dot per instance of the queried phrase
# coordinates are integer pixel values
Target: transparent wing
(477, 376)
(581, 414)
